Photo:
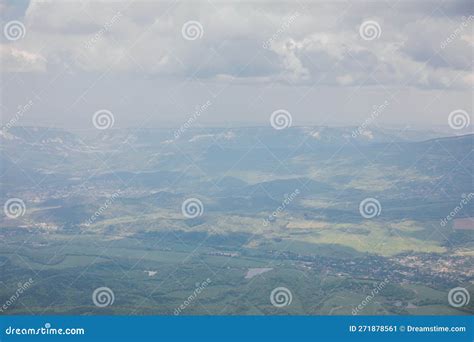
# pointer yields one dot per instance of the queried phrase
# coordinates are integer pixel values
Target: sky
(156, 63)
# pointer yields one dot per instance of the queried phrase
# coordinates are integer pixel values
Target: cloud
(319, 42)
(16, 60)
(252, 58)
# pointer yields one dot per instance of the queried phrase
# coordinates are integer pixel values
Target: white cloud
(16, 60)
(315, 63)
(321, 43)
